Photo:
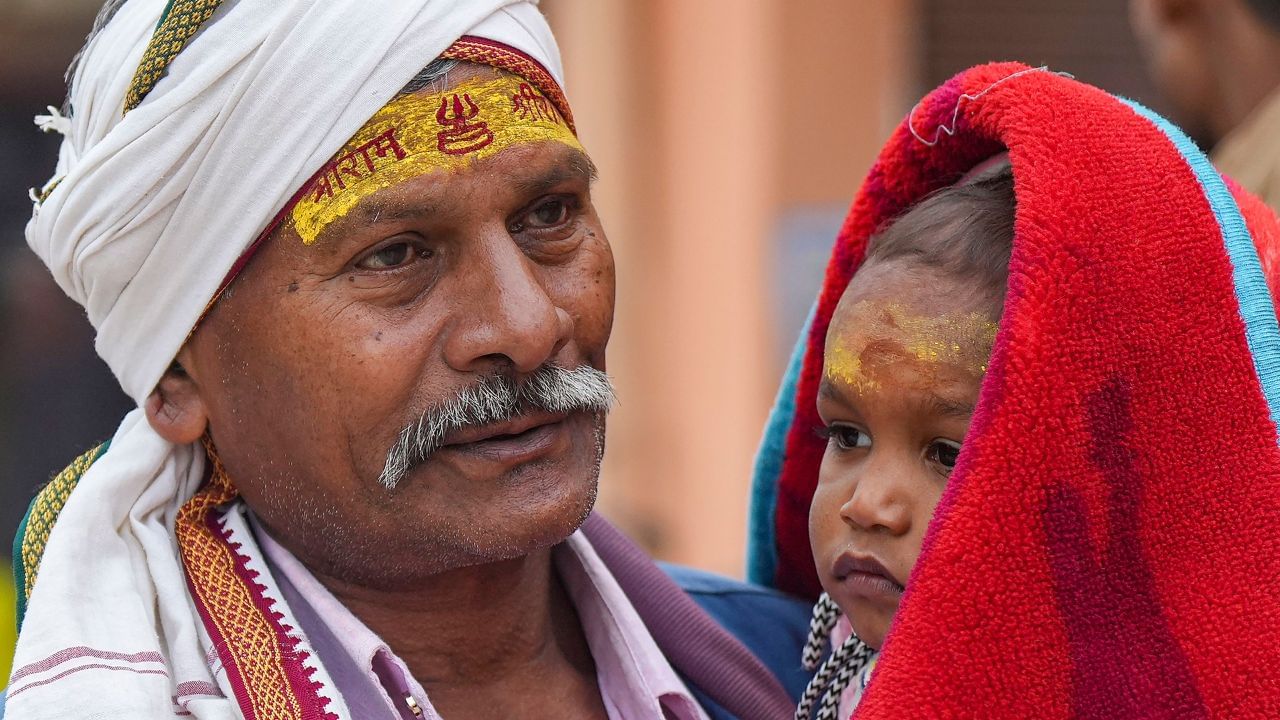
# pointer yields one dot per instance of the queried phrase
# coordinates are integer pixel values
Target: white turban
(154, 206)
(150, 211)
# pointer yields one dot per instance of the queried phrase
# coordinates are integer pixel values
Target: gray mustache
(495, 399)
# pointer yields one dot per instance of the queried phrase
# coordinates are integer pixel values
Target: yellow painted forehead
(424, 132)
(855, 349)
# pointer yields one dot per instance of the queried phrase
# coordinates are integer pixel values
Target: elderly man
(363, 308)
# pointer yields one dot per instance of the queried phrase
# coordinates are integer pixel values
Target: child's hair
(964, 231)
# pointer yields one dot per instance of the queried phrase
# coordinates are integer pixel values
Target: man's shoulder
(771, 624)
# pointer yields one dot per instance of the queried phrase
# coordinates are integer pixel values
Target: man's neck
(485, 637)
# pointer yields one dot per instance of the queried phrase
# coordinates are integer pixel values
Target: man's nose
(505, 312)
(880, 499)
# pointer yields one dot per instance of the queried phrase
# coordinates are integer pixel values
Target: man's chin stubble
(460, 545)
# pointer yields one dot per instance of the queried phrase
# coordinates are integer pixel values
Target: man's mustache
(495, 399)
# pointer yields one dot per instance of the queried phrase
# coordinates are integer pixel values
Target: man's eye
(391, 257)
(944, 453)
(845, 437)
(548, 214)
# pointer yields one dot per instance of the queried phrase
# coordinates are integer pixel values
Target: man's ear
(175, 409)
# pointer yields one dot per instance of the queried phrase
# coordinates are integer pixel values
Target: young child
(905, 355)
(1046, 478)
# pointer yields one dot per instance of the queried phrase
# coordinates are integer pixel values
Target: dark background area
(56, 397)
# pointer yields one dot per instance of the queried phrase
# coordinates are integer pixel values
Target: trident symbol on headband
(460, 136)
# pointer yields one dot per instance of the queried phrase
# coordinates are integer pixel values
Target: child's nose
(880, 500)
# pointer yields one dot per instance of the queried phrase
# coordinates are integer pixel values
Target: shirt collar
(635, 679)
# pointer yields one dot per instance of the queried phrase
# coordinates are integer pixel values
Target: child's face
(905, 356)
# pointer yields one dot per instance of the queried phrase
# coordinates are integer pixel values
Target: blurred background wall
(730, 135)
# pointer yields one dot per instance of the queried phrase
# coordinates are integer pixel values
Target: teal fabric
(762, 548)
(1256, 308)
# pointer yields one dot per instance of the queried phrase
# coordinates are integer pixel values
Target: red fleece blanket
(1109, 543)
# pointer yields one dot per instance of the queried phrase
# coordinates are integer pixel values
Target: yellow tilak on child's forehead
(421, 133)
(957, 339)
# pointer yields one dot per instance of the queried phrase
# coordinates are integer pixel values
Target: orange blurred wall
(710, 121)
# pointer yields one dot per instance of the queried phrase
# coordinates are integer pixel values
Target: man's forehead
(472, 113)
(423, 198)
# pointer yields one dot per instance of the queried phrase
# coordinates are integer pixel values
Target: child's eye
(845, 437)
(944, 453)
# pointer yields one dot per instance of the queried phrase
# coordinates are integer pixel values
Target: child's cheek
(826, 528)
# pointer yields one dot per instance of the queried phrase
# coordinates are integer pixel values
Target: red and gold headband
(423, 132)
(416, 133)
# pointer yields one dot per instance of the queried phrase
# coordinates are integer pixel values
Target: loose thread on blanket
(950, 130)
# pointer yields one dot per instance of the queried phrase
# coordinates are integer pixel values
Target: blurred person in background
(1218, 64)
(344, 259)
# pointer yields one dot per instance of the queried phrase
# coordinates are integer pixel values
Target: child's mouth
(866, 576)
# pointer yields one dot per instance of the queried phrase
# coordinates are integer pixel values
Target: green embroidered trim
(164, 14)
(44, 194)
(33, 534)
(179, 22)
(19, 576)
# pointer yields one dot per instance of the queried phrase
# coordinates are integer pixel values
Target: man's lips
(865, 575)
(503, 431)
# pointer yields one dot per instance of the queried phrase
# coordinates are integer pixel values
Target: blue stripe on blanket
(1256, 308)
(762, 546)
